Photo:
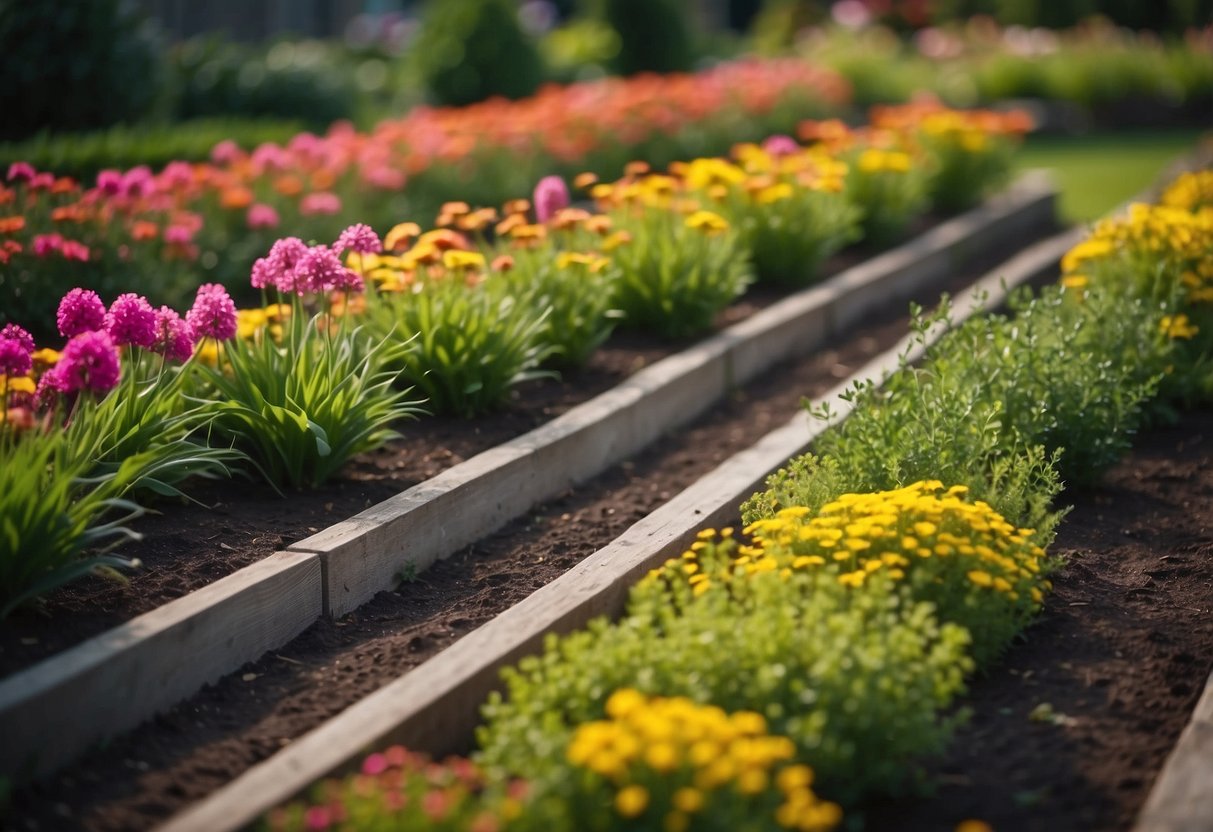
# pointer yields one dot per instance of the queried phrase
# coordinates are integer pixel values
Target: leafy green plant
(677, 272)
(302, 407)
(856, 681)
(462, 345)
(890, 190)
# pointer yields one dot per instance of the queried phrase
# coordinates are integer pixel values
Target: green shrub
(74, 65)
(470, 50)
(654, 35)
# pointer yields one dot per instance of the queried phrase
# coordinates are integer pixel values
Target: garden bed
(381, 655)
(199, 654)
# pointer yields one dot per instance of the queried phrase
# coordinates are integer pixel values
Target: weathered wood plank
(1182, 797)
(109, 684)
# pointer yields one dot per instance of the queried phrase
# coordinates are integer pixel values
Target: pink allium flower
(177, 175)
(73, 250)
(780, 145)
(320, 202)
(89, 362)
(81, 310)
(261, 215)
(213, 314)
(18, 334)
(131, 320)
(551, 194)
(321, 270)
(226, 152)
(15, 359)
(138, 182)
(46, 244)
(174, 337)
(109, 182)
(20, 172)
(360, 238)
(277, 269)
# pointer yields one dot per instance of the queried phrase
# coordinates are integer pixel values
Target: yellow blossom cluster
(675, 760)
(1190, 191)
(1168, 241)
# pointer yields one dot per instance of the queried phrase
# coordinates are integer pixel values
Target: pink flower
(321, 270)
(72, 250)
(320, 202)
(42, 182)
(20, 172)
(261, 215)
(780, 145)
(81, 310)
(551, 194)
(178, 235)
(174, 337)
(109, 182)
(317, 818)
(46, 244)
(213, 314)
(269, 156)
(277, 269)
(360, 238)
(15, 359)
(176, 175)
(138, 182)
(384, 177)
(374, 765)
(18, 334)
(89, 362)
(226, 152)
(131, 320)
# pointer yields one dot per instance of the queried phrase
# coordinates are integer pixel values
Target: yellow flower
(708, 222)
(1177, 326)
(456, 259)
(631, 801)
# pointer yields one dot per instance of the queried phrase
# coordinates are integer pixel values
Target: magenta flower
(47, 244)
(213, 314)
(131, 320)
(320, 202)
(551, 194)
(277, 269)
(109, 182)
(20, 172)
(89, 362)
(360, 238)
(138, 182)
(261, 215)
(174, 337)
(226, 152)
(73, 250)
(178, 235)
(42, 182)
(177, 175)
(321, 270)
(81, 310)
(780, 145)
(15, 359)
(18, 334)
(269, 156)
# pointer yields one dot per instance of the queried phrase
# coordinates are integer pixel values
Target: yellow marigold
(631, 801)
(456, 259)
(708, 222)
(1178, 326)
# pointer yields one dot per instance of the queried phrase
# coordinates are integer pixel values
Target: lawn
(1098, 171)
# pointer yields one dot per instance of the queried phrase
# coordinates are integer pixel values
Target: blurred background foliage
(108, 83)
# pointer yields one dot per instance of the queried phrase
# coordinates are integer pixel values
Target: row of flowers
(777, 680)
(161, 233)
(349, 338)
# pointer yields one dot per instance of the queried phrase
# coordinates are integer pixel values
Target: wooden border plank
(435, 707)
(110, 683)
(1182, 797)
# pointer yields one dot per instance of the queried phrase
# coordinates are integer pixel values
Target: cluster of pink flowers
(16, 351)
(44, 245)
(213, 314)
(293, 267)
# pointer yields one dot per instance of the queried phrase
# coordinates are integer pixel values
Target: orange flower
(288, 185)
(144, 230)
(398, 238)
(236, 198)
(584, 180)
(11, 225)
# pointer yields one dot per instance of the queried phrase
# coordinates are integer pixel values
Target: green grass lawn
(1099, 171)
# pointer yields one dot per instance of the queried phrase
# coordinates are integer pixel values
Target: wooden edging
(1182, 798)
(55, 710)
(364, 554)
(435, 706)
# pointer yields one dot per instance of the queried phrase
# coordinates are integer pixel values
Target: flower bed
(551, 696)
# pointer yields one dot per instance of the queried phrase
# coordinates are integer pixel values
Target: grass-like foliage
(303, 404)
(677, 272)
